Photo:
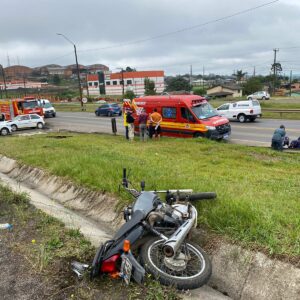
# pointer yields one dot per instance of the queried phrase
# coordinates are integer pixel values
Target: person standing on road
(125, 123)
(130, 122)
(278, 138)
(155, 120)
(143, 117)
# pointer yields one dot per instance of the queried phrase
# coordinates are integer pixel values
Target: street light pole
(122, 74)
(77, 67)
(4, 80)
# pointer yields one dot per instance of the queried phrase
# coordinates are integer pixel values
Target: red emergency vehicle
(185, 116)
(14, 107)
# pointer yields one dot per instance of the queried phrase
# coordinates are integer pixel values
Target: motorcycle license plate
(126, 269)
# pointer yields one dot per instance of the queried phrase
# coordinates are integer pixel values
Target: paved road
(258, 133)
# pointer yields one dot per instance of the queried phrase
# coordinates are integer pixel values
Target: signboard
(84, 100)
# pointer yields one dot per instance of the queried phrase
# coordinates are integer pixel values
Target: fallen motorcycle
(154, 239)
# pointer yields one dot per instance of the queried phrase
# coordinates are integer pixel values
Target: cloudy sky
(153, 34)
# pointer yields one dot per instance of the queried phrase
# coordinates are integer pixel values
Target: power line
(184, 29)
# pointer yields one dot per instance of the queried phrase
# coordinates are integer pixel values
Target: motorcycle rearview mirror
(143, 185)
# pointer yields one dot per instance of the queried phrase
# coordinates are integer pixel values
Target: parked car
(101, 101)
(241, 110)
(5, 128)
(27, 121)
(261, 95)
(109, 109)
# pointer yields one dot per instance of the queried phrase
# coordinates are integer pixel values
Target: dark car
(108, 110)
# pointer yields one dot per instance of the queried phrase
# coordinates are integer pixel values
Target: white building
(133, 81)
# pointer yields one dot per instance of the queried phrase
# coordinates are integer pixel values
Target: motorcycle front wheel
(191, 269)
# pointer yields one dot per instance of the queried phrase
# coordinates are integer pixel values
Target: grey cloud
(29, 27)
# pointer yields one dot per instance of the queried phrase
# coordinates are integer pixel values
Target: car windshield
(30, 104)
(204, 111)
(47, 105)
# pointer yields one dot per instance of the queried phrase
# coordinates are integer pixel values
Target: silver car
(27, 121)
(261, 95)
(5, 128)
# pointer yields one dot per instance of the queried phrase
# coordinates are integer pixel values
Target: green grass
(258, 189)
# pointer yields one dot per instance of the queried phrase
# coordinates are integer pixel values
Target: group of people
(279, 140)
(149, 125)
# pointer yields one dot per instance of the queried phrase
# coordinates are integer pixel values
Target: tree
(56, 79)
(128, 69)
(239, 75)
(149, 87)
(252, 85)
(199, 91)
(178, 83)
(129, 95)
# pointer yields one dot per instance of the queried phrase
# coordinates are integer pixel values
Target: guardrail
(281, 111)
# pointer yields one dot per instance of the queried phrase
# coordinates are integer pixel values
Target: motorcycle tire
(155, 265)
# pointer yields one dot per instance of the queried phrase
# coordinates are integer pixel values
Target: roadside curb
(238, 273)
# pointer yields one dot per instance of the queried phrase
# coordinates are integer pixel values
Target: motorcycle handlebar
(198, 196)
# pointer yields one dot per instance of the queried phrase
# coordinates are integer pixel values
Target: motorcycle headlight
(210, 127)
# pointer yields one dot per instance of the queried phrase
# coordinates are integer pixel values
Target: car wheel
(54, 115)
(250, 98)
(39, 125)
(14, 127)
(198, 135)
(263, 98)
(242, 118)
(4, 131)
(252, 119)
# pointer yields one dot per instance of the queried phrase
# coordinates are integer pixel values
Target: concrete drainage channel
(238, 273)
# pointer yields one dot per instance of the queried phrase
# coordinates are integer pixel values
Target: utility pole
(203, 70)
(87, 85)
(254, 71)
(122, 79)
(274, 69)
(191, 75)
(4, 80)
(291, 76)
(77, 68)
(24, 82)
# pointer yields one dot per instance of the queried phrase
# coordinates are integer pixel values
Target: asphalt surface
(258, 133)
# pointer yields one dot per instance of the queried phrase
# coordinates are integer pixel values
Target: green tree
(56, 79)
(239, 75)
(129, 95)
(254, 84)
(178, 83)
(129, 69)
(149, 87)
(199, 91)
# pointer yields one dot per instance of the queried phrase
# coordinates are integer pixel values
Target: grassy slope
(258, 189)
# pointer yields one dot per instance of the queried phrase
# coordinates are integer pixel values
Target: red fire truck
(185, 116)
(14, 107)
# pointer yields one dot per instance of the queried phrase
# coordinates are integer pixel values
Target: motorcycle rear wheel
(195, 274)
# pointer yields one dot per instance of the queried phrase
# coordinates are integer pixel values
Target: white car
(27, 121)
(5, 128)
(241, 110)
(261, 95)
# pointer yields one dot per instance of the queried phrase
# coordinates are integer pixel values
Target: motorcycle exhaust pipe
(172, 245)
